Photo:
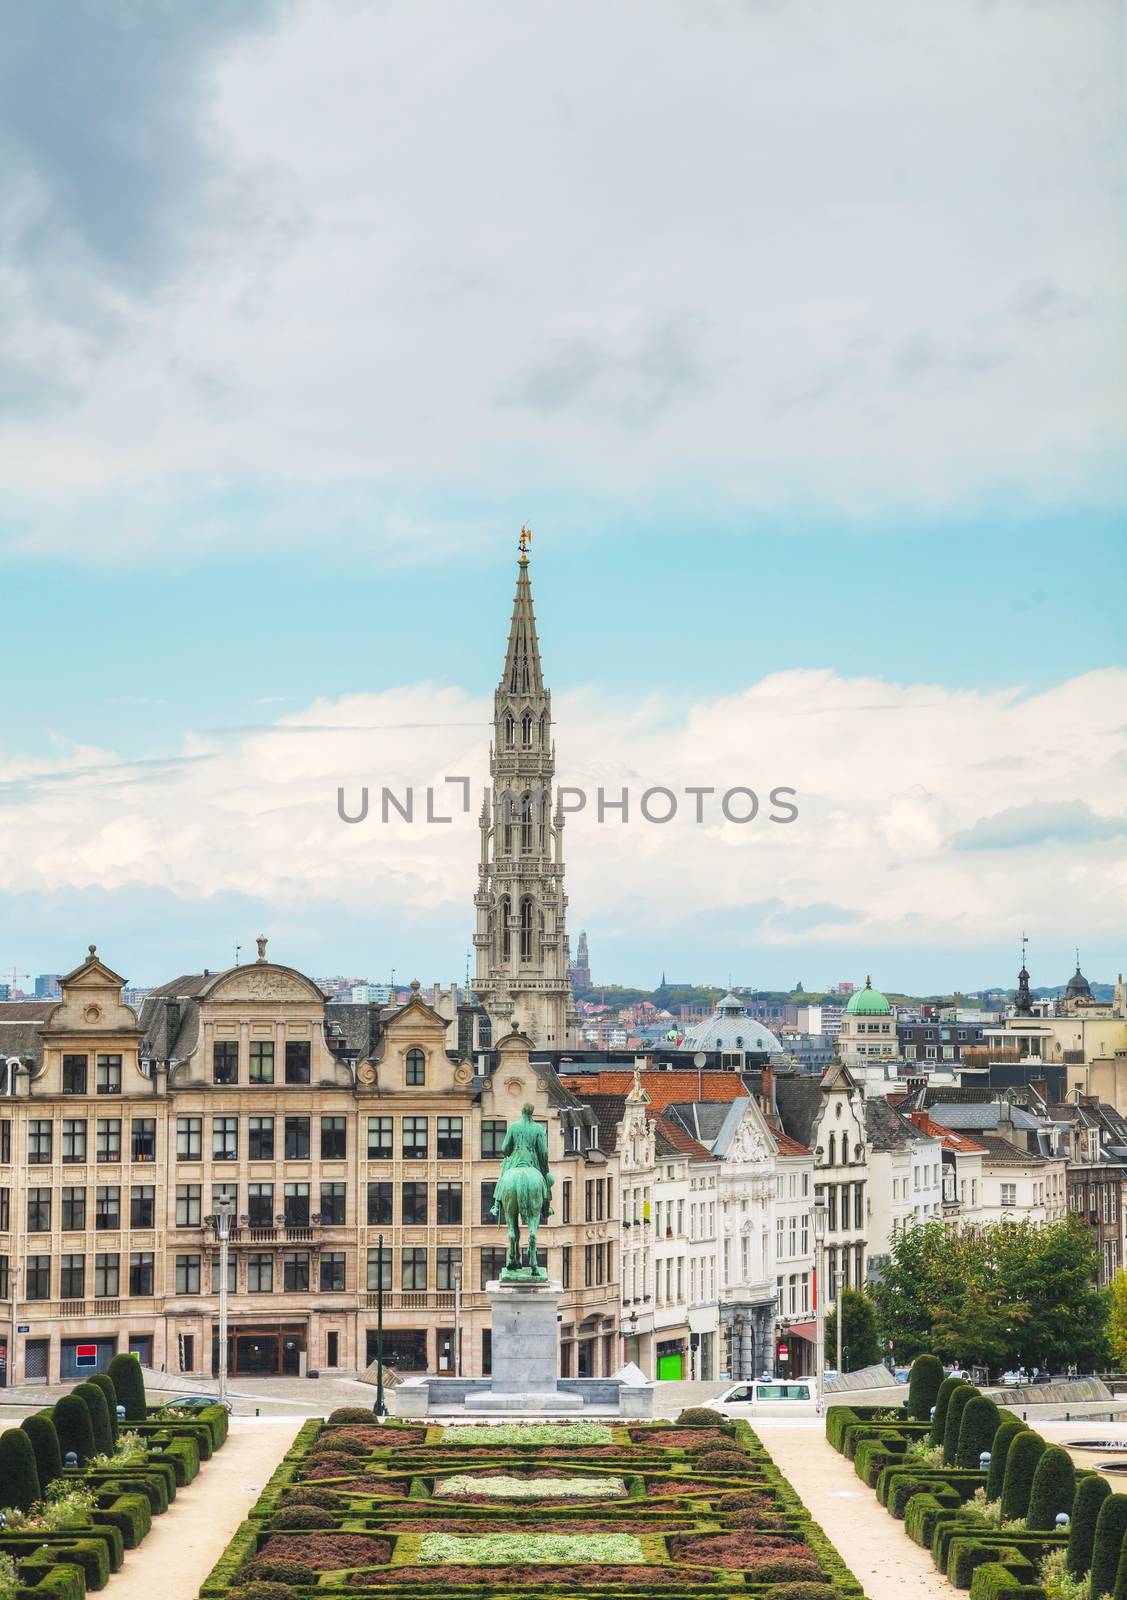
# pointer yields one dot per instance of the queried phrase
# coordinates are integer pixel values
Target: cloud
(1039, 822)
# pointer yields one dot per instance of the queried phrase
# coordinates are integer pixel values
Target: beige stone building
(329, 1126)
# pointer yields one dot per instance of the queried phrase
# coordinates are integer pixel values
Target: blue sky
(803, 353)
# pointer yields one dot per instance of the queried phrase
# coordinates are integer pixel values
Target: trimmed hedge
(1091, 1492)
(95, 1402)
(1021, 1463)
(1111, 1526)
(923, 1386)
(1010, 1580)
(1054, 1488)
(943, 1396)
(976, 1431)
(19, 1477)
(74, 1428)
(1008, 1430)
(124, 1373)
(109, 1394)
(956, 1405)
(40, 1429)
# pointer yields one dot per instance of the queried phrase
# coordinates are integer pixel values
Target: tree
(1021, 1463)
(95, 1402)
(1111, 1527)
(960, 1399)
(125, 1375)
(72, 1424)
(923, 1386)
(859, 1347)
(19, 1480)
(976, 1431)
(109, 1394)
(1054, 1488)
(1008, 1431)
(45, 1447)
(1117, 1319)
(1091, 1492)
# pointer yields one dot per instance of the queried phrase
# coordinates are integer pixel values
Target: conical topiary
(95, 1402)
(125, 1375)
(1111, 1526)
(19, 1480)
(923, 1386)
(1091, 1492)
(1021, 1463)
(109, 1394)
(946, 1390)
(45, 1447)
(71, 1417)
(1008, 1430)
(960, 1399)
(976, 1431)
(1054, 1488)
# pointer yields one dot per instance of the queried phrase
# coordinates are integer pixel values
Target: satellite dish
(699, 1059)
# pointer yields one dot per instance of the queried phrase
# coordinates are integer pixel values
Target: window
(448, 1139)
(188, 1205)
(447, 1267)
(297, 1061)
(295, 1270)
(225, 1061)
(72, 1277)
(141, 1272)
(414, 1205)
(414, 1138)
(142, 1205)
(588, 1265)
(143, 1139)
(380, 1138)
(187, 1274)
(107, 1074)
(493, 1258)
(39, 1211)
(108, 1136)
(414, 1273)
(565, 1201)
(858, 1205)
(189, 1138)
(5, 1141)
(260, 1138)
(39, 1141)
(297, 1138)
(379, 1205)
(74, 1210)
(492, 1138)
(1009, 1194)
(416, 1069)
(260, 1205)
(260, 1273)
(225, 1138)
(295, 1205)
(37, 1278)
(261, 1068)
(333, 1201)
(107, 1275)
(379, 1266)
(74, 1077)
(488, 1190)
(332, 1271)
(449, 1202)
(5, 1278)
(589, 1202)
(332, 1138)
(74, 1139)
(107, 1207)
(232, 1273)
(565, 1266)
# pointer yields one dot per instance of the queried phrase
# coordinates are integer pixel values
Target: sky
(797, 334)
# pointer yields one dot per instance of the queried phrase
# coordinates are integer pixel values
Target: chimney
(767, 1091)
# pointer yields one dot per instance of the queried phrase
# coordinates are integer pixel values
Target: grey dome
(730, 1028)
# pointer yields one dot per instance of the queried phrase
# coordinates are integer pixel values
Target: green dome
(868, 1002)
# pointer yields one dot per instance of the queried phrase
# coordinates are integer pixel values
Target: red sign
(86, 1355)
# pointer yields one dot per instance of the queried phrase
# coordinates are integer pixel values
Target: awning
(800, 1330)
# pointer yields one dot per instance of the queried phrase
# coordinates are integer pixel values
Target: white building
(905, 1175)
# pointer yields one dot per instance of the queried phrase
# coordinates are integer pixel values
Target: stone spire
(1023, 1003)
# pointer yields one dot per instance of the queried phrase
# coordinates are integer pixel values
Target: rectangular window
(297, 1061)
(39, 1211)
(5, 1141)
(447, 1267)
(225, 1061)
(72, 1277)
(74, 1139)
(448, 1139)
(37, 1278)
(260, 1205)
(333, 1137)
(74, 1079)
(39, 1138)
(187, 1274)
(1009, 1194)
(261, 1064)
(858, 1205)
(260, 1273)
(142, 1206)
(492, 1138)
(381, 1133)
(492, 1262)
(588, 1265)
(488, 1190)
(295, 1205)
(831, 1195)
(379, 1265)
(188, 1205)
(565, 1201)
(297, 1138)
(107, 1207)
(333, 1204)
(416, 1076)
(379, 1205)
(5, 1277)
(295, 1270)
(589, 1201)
(225, 1138)
(141, 1272)
(414, 1138)
(221, 1193)
(189, 1138)
(260, 1138)
(414, 1272)
(107, 1074)
(413, 1200)
(107, 1275)
(448, 1200)
(143, 1139)
(565, 1266)
(74, 1210)
(107, 1137)
(332, 1271)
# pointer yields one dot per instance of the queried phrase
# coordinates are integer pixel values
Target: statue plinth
(525, 1345)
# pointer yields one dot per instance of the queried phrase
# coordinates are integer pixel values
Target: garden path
(187, 1541)
(873, 1545)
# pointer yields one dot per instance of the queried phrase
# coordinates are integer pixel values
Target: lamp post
(379, 1408)
(819, 1299)
(221, 1222)
(839, 1302)
(457, 1319)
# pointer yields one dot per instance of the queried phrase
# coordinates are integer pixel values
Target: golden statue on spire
(524, 542)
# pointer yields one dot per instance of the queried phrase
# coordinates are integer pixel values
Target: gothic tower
(520, 942)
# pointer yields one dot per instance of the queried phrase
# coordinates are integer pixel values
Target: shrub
(976, 1431)
(923, 1386)
(45, 1447)
(1054, 1488)
(723, 1461)
(1091, 1492)
(308, 1494)
(109, 1395)
(19, 1478)
(331, 1444)
(1111, 1525)
(356, 1414)
(260, 1590)
(95, 1402)
(1021, 1463)
(71, 1417)
(278, 1570)
(952, 1422)
(945, 1391)
(803, 1589)
(298, 1515)
(699, 1417)
(1008, 1430)
(129, 1385)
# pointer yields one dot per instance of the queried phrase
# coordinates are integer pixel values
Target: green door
(670, 1367)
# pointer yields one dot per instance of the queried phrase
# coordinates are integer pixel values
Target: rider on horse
(524, 1185)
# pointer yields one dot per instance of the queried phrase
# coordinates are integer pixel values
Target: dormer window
(74, 1074)
(108, 1072)
(416, 1069)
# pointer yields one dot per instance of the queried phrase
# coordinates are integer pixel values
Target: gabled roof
(799, 1099)
(677, 1138)
(665, 1088)
(1001, 1153)
(957, 1142)
(886, 1128)
(609, 1110)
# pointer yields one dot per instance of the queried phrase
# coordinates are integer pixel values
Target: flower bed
(527, 1433)
(540, 1486)
(508, 1549)
(327, 1552)
(523, 1580)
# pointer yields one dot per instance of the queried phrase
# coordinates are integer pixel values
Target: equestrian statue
(522, 1193)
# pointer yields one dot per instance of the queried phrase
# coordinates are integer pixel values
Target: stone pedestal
(525, 1350)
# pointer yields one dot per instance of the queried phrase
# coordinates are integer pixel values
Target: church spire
(1023, 1004)
(522, 674)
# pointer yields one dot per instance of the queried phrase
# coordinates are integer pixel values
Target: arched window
(526, 823)
(416, 1069)
(526, 730)
(510, 731)
(507, 823)
(542, 822)
(543, 730)
(503, 910)
(526, 929)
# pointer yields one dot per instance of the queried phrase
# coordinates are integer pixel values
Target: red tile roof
(951, 1140)
(788, 1146)
(679, 1138)
(664, 1088)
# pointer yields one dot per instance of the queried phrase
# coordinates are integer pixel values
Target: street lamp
(379, 1408)
(819, 1301)
(221, 1222)
(457, 1319)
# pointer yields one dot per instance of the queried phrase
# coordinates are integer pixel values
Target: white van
(768, 1397)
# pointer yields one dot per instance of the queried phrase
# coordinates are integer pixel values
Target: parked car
(769, 1397)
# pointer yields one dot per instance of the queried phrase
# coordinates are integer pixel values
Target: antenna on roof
(238, 947)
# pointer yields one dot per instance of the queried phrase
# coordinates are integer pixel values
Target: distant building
(580, 969)
(5, 991)
(370, 994)
(820, 1019)
(47, 986)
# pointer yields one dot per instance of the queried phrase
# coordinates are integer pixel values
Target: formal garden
(1004, 1513)
(81, 1481)
(589, 1508)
